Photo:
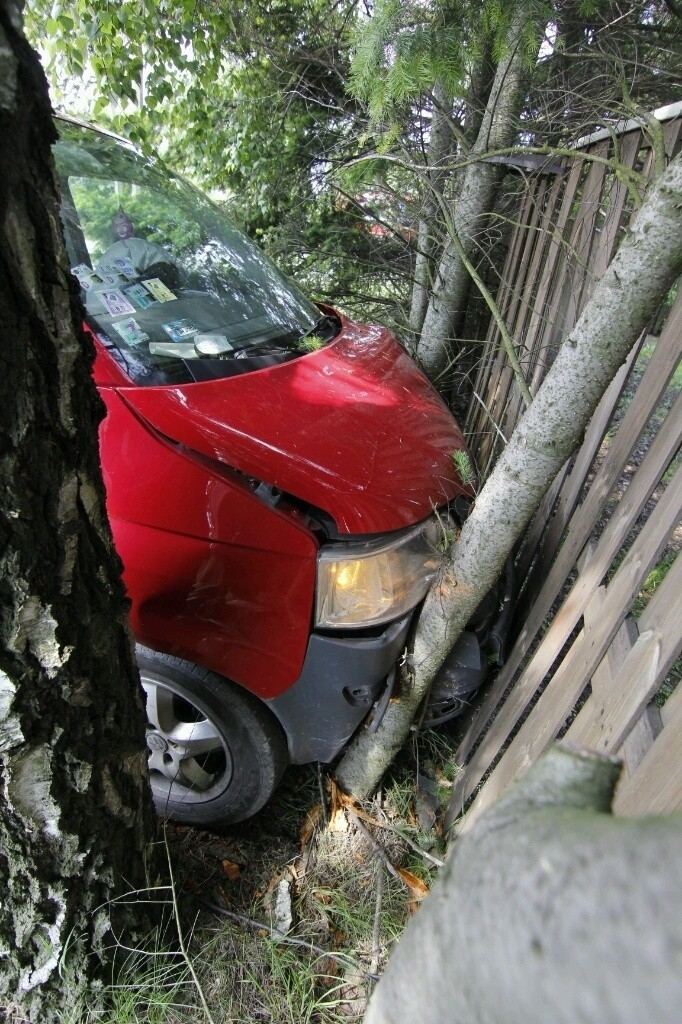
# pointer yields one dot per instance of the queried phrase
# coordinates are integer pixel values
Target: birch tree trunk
(498, 129)
(75, 811)
(644, 269)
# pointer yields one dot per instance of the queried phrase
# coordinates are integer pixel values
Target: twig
(507, 340)
(181, 938)
(323, 795)
(377, 846)
(376, 930)
(289, 940)
(489, 415)
(410, 842)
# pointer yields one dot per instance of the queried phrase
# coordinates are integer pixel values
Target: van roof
(61, 116)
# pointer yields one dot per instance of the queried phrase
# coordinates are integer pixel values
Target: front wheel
(215, 754)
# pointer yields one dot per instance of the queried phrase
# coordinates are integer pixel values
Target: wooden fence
(590, 655)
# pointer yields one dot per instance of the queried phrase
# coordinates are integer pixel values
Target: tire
(216, 754)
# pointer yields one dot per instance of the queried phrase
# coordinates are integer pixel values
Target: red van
(279, 483)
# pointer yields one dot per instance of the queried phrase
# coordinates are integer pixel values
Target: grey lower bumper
(340, 681)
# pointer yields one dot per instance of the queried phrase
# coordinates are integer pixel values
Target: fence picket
(662, 450)
(604, 721)
(567, 683)
(561, 246)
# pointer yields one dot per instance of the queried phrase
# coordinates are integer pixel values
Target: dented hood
(353, 428)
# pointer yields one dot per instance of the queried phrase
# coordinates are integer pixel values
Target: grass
(464, 468)
(151, 987)
(346, 920)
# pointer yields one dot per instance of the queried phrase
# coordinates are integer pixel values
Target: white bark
(76, 818)
(476, 199)
(644, 269)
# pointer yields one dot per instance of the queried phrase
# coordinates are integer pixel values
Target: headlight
(367, 584)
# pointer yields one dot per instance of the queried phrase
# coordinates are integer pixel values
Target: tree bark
(76, 818)
(550, 909)
(475, 201)
(428, 234)
(644, 269)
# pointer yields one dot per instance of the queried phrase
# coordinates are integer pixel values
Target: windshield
(170, 286)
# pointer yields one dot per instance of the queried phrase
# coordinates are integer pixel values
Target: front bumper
(340, 681)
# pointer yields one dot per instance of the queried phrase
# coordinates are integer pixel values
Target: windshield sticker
(87, 278)
(180, 330)
(130, 331)
(139, 296)
(121, 265)
(115, 302)
(159, 290)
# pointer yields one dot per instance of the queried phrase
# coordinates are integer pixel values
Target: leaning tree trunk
(550, 909)
(475, 201)
(75, 810)
(443, 147)
(428, 234)
(644, 269)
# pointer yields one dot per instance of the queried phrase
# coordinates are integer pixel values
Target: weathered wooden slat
(654, 464)
(613, 222)
(527, 344)
(551, 198)
(508, 399)
(516, 311)
(571, 490)
(495, 393)
(654, 788)
(569, 680)
(654, 382)
(639, 739)
(583, 235)
(555, 255)
(604, 721)
(531, 539)
(492, 360)
(671, 136)
(622, 644)
(602, 675)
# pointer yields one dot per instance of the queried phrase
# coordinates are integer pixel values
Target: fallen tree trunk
(644, 269)
(550, 909)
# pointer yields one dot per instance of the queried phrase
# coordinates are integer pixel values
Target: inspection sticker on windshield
(121, 265)
(159, 290)
(139, 296)
(180, 330)
(115, 302)
(130, 331)
(87, 278)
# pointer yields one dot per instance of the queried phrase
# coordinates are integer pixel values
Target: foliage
(251, 103)
(409, 47)
(273, 103)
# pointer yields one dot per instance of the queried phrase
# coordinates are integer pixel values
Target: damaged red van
(278, 479)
